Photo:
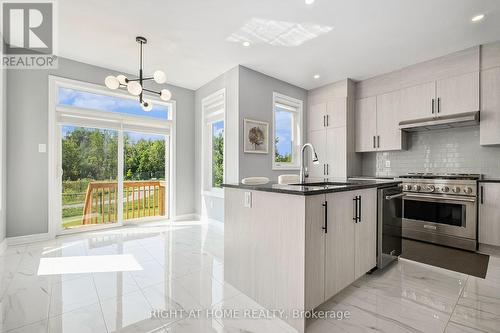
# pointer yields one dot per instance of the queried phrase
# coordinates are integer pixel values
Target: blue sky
(218, 127)
(133, 136)
(283, 123)
(108, 103)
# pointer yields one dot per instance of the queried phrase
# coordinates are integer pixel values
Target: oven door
(440, 214)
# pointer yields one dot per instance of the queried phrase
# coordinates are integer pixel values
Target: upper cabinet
(457, 94)
(418, 101)
(377, 123)
(490, 95)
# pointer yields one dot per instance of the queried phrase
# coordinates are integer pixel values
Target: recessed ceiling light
(316, 76)
(246, 44)
(477, 18)
(309, 2)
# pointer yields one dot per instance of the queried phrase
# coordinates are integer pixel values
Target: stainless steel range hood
(449, 121)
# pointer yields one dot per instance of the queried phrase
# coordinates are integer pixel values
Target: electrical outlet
(387, 164)
(42, 148)
(248, 200)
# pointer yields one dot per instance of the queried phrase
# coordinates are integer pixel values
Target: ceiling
(194, 41)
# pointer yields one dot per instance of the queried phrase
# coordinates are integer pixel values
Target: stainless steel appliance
(389, 239)
(441, 208)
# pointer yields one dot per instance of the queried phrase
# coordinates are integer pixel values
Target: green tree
(218, 160)
(279, 157)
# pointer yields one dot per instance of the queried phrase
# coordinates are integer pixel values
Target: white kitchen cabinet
(329, 137)
(418, 101)
(316, 119)
(489, 132)
(377, 123)
(339, 250)
(389, 136)
(366, 124)
(489, 214)
(318, 140)
(351, 244)
(365, 234)
(457, 94)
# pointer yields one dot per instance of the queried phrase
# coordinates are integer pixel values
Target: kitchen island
(292, 247)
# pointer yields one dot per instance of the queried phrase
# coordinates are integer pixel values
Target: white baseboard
(184, 217)
(3, 246)
(28, 239)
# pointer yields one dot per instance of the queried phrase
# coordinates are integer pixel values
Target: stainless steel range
(441, 208)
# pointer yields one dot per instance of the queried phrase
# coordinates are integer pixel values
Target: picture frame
(255, 136)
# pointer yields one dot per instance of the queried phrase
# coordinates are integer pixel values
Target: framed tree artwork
(256, 136)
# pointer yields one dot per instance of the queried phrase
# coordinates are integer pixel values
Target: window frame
(293, 105)
(217, 102)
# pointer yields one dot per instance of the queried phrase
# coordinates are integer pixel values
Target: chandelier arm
(151, 91)
(143, 79)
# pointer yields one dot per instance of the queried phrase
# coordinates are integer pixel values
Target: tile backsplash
(438, 151)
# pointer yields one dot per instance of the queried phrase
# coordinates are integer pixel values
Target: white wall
(27, 118)
(210, 206)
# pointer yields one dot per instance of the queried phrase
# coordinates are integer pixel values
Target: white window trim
(206, 156)
(298, 105)
(113, 120)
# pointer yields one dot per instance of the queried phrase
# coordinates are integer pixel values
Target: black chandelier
(136, 86)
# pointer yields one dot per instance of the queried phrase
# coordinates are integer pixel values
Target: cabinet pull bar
(327, 169)
(359, 209)
(374, 142)
(439, 105)
(327, 120)
(433, 106)
(378, 141)
(324, 121)
(325, 208)
(482, 195)
(355, 218)
(324, 169)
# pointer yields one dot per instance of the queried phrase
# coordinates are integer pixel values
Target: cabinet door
(336, 112)
(458, 94)
(339, 259)
(336, 155)
(316, 117)
(416, 101)
(315, 251)
(366, 124)
(318, 140)
(490, 107)
(489, 214)
(389, 136)
(365, 236)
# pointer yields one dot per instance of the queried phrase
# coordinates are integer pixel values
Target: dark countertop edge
(348, 188)
(489, 180)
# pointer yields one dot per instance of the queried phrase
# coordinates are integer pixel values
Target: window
(94, 101)
(213, 108)
(287, 132)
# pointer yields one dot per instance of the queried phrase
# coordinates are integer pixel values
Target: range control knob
(416, 187)
(456, 189)
(445, 189)
(431, 188)
(468, 190)
(407, 187)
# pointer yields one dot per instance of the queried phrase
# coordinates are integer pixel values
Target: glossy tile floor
(182, 268)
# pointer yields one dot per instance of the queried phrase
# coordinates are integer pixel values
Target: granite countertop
(313, 187)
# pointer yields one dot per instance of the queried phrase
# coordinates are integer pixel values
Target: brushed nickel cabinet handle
(433, 106)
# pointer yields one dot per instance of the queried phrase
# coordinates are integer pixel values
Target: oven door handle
(413, 196)
(395, 196)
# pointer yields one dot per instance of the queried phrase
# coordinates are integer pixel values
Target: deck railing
(141, 198)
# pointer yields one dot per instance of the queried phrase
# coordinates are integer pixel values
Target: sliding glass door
(110, 159)
(144, 187)
(89, 176)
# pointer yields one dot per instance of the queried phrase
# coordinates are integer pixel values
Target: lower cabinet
(489, 214)
(351, 240)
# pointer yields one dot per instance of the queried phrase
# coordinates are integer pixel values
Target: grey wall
(27, 119)
(3, 156)
(209, 206)
(256, 102)
(441, 151)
